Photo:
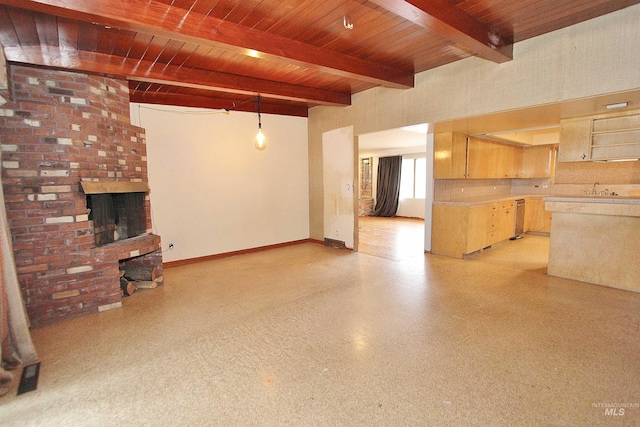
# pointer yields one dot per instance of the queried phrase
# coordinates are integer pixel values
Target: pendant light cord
(259, 106)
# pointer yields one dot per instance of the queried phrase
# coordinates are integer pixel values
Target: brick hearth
(58, 129)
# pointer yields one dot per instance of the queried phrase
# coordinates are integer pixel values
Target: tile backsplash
(446, 190)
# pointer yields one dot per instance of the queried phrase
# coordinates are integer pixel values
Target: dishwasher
(519, 229)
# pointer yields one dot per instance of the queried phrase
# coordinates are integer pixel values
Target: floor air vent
(29, 379)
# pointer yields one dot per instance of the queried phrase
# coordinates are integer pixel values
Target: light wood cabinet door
(490, 159)
(506, 222)
(536, 218)
(476, 231)
(483, 159)
(514, 161)
(539, 161)
(458, 230)
(450, 156)
(575, 140)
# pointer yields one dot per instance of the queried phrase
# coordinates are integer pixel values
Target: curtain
(17, 348)
(388, 192)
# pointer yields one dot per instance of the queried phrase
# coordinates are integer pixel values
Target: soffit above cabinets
(536, 125)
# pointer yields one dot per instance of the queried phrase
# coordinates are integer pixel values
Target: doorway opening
(406, 233)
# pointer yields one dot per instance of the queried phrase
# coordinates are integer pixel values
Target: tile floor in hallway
(313, 336)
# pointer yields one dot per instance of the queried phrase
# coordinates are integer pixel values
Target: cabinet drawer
(506, 205)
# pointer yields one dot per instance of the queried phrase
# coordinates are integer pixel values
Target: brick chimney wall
(58, 129)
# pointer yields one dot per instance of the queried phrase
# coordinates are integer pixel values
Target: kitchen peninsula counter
(595, 239)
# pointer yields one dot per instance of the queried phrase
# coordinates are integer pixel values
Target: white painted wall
(212, 192)
(428, 201)
(338, 152)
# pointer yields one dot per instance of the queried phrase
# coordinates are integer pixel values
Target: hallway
(310, 335)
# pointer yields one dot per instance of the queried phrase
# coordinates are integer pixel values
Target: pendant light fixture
(261, 142)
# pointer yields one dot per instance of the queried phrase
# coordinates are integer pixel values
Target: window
(366, 178)
(413, 178)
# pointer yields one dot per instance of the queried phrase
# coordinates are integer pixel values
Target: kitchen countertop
(594, 205)
(485, 200)
(628, 200)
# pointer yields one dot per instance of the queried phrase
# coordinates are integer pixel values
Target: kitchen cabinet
(500, 222)
(450, 155)
(575, 136)
(460, 230)
(612, 136)
(539, 161)
(616, 137)
(536, 218)
(457, 156)
(477, 229)
(489, 159)
(457, 230)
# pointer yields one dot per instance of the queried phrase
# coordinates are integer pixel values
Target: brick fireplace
(62, 133)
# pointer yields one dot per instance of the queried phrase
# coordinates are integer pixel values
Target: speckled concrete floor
(309, 335)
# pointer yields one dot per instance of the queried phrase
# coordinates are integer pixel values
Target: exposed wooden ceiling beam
(214, 103)
(154, 72)
(157, 18)
(453, 24)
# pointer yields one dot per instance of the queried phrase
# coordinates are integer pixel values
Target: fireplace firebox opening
(116, 216)
(116, 209)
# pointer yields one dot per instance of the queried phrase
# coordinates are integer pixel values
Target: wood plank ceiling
(295, 54)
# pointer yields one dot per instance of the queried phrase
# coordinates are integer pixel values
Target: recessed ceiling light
(617, 105)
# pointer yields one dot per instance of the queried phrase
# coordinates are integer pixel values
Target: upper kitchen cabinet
(616, 137)
(458, 156)
(575, 140)
(489, 159)
(539, 161)
(450, 155)
(601, 137)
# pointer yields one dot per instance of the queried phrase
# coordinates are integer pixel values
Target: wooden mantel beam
(148, 71)
(453, 24)
(153, 17)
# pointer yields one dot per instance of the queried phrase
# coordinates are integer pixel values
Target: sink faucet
(595, 188)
